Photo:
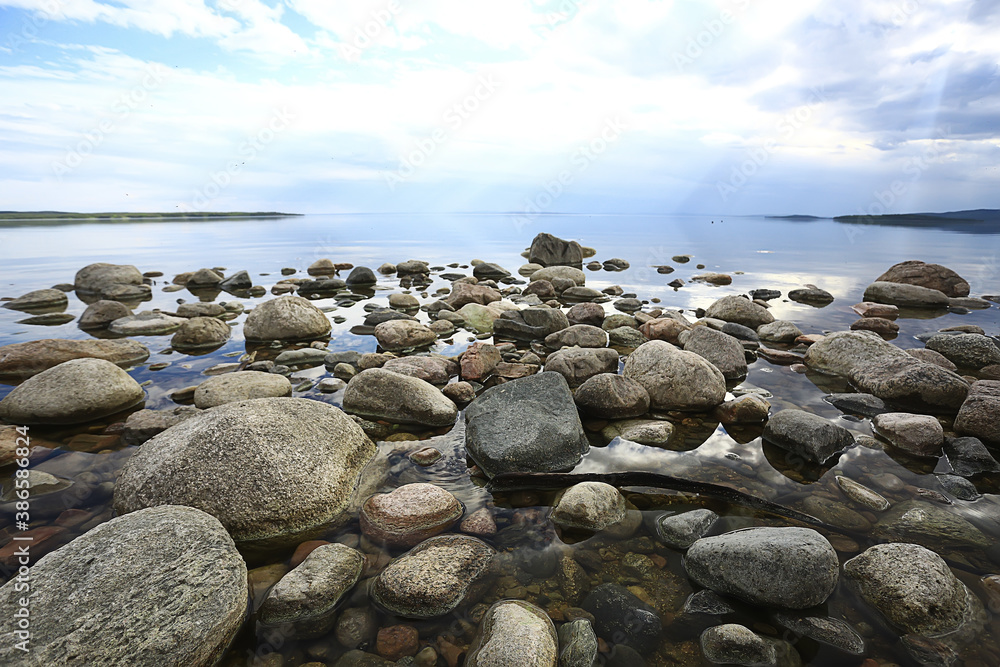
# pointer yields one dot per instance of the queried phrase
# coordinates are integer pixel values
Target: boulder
(579, 364)
(794, 568)
(549, 250)
(199, 309)
(807, 435)
(286, 318)
(479, 361)
(719, 349)
(74, 392)
(433, 369)
(382, 394)
(905, 296)
(813, 296)
(931, 357)
(199, 333)
(969, 456)
(164, 586)
(514, 632)
(664, 328)
(612, 396)
(920, 435)
(577, 644)
(912, 587)
(739, 310)
(240, 386)
(675, 379)
(880, 310)
(274, 471)
(586, 313)
(681, 530)
(864, 405)
(577, 335)
(746, 409)
(779, 331)
(589, 506)
(402, 334)
(237, 282)
(554, 274)
(625, 337)
(408, 515)
(929, 525)
(841, 352)
(146, 323)
(979, 414)
(622, 618)
(100, 314)
(19, 361)
(933, 276)
(433, 578)
(463, 293)
(43, 299)
(829, 631)
(144, 424)
(361, 276)
(652, 432)
(966, 349)
(204, 278)
(307, 596)
(489, 271)
(525, 425)
(912, 383)
(103, 279)
(738, 645)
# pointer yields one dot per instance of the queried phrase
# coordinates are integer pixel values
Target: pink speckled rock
(409, 515)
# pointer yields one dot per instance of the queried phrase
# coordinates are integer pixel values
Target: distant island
(795, 217)
(128, 217)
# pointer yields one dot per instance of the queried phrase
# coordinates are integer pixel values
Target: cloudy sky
(634, 106)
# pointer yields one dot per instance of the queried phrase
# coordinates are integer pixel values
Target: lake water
(758, 253)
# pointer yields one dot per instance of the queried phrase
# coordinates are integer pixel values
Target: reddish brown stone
(871, 309)
(934, 276)
(880, 325)
(664, 328)
(303, 550)
(397, 641)
(409, 515)
(479, 361)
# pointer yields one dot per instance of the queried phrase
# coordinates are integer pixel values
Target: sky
(728, 107)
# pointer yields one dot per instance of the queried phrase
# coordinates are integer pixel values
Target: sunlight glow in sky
(535, 106)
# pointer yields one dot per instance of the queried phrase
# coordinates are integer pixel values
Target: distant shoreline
(129, 217)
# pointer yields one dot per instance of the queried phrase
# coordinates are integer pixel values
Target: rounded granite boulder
(74, 392)
(286, 318)
(274, 471)
(161, 586)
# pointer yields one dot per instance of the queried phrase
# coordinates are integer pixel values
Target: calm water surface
(757, 252)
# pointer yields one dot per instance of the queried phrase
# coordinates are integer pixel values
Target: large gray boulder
(612, 396)
(719, 349)
(968, 350)
(979, 415)
(807, 435)
(240, 386)
(286, 318)
(163, 586)
(274, 471)
(526, 425)
(549, 250)
(912, 587)
(19, 361)
(105, 280)
(675, 379)
(794, 568)
(932, 276)
(514, 632)
(740, 310)
(381, 394)
(905, 296)
(74, 392)
(880, 368)
(579, 364)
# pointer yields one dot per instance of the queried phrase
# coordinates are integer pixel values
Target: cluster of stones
(250, 471)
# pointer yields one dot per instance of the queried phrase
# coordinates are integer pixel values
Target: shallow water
(766, 253)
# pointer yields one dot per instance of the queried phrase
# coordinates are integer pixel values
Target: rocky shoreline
(275, 518)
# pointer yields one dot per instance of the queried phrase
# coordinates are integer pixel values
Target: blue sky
(637, 106)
